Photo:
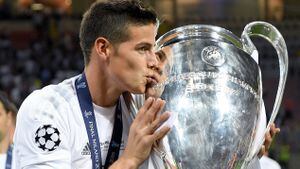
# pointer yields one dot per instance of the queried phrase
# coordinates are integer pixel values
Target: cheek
(135, 69)
(136, 64)
(129, 62)
(1, 136)
(2, 129)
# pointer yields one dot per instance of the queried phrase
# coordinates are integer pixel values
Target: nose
(152, 60)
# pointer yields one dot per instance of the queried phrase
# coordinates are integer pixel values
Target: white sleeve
(41, 135)
(254, 164)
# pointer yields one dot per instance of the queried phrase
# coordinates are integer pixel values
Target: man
(83, 122)
(8, 113)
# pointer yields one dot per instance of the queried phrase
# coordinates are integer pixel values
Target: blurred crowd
(45, 60)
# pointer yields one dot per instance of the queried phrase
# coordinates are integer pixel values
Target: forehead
(142, 33)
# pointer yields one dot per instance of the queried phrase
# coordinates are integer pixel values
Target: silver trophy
(213, 85)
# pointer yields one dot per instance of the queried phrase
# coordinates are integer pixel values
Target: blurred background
(39, 46)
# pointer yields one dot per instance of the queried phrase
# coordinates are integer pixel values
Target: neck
(7, 140)
(11, 134)
(103, 91)
(4, 145)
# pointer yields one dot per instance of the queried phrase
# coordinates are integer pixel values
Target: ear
(102, 46)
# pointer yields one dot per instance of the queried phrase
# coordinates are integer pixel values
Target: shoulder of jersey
(49, 96)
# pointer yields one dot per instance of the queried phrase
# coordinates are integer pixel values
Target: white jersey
(50, 131)
(268, 163)
(2, 161)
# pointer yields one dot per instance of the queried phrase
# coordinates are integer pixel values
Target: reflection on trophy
(213, 83)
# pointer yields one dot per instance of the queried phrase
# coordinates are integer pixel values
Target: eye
(160, 55)
(144, 49)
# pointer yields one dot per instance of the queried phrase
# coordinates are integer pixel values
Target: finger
(273, 130)
(160, 110)
(262, 151)
(157, 122)
(151, 139)
(277, 131)
(162, 118)
(144, 108)
(160, 133)
(268, 140)
(153, 110)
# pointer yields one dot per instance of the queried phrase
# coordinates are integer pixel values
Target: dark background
(39, 46)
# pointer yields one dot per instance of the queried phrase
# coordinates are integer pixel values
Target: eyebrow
(144, 44)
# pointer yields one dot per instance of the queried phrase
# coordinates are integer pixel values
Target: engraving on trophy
(212, 55)
(195, 84)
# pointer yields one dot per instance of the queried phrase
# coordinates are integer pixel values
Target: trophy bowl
(213, 85)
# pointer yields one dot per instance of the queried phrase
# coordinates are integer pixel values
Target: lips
(151, 80)
(153, 77)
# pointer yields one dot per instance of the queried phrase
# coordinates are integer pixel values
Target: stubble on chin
(150, 92)
(153, 91)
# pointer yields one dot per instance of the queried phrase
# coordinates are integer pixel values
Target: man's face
(132, 63)
(165, 56)
(3, 122)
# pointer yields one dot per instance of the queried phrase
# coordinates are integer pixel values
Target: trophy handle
(271, 34)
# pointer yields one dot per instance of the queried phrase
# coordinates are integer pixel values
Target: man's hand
(268, 139)
(143, 134)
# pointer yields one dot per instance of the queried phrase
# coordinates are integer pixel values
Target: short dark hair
(111, 20)
(8, 105)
